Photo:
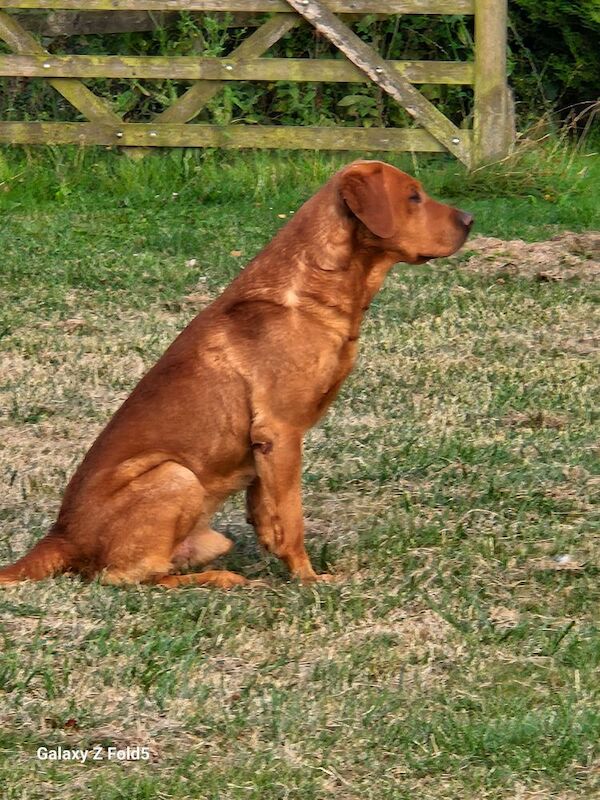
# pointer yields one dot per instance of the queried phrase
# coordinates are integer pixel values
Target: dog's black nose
(466, 219)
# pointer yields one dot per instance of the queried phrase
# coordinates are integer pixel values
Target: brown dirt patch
(567, 256)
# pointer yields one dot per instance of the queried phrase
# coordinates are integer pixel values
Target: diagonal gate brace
(85, 101)
(378, 70)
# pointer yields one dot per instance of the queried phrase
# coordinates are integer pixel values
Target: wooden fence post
(493, 131)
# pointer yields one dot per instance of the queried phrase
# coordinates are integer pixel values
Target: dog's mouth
(423, 258)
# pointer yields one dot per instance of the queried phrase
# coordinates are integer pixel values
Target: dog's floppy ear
(366, 195)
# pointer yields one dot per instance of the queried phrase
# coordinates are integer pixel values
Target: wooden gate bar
(79, 23)
(373, 65)
(231, 136)
(338, 6)
(232, 68)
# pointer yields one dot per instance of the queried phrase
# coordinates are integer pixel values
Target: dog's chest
(333, 370)
(347, 359)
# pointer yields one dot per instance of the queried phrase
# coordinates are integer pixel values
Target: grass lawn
(451, 488)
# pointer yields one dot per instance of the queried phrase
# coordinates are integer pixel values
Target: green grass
(108, 224)
(458, 655)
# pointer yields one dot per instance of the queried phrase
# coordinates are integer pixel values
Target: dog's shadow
(248, 558)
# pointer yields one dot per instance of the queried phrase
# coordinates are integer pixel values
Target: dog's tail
(49, 556)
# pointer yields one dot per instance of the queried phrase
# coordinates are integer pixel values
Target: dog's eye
(415, 197)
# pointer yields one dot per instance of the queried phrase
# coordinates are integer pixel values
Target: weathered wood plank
(338, 6)
(70, 23)
(77, 23)
(379, 71)
(492, 130)
(72, 90)
(233, 136)
(193, 101)
(225, 69)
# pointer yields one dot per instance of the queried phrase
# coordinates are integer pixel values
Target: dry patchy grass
(452, 489)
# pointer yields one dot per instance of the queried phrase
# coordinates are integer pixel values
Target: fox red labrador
(227, 405)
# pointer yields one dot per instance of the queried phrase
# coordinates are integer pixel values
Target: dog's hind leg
(155, 528)
(219, 578)
(150, 516)
(201, 546)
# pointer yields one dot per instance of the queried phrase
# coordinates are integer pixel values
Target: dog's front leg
(273, 500)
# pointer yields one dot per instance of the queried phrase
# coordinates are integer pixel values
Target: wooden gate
(489, 138)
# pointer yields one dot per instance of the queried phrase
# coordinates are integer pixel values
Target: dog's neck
(338, 264)
(323, 262)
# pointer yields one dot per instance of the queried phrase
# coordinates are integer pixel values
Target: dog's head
(397, 215)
